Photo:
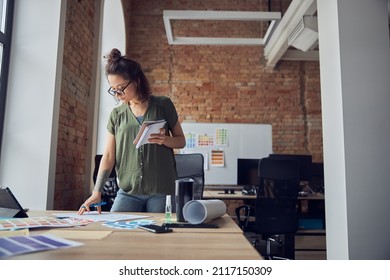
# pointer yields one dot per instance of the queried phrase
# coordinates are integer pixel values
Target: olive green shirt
(151, 169)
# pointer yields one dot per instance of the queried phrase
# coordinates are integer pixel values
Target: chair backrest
(276, 211)
(279, 178)
(317, 180)
(191, 166)
(110, 188)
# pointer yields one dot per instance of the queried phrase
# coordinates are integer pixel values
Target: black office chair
(317, 180)
(191, 166)
(275, 211)
(110, 188)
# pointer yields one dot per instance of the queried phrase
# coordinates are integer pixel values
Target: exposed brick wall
(75, 93)
(227, 83)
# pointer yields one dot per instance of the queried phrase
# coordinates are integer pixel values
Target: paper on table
(103, 217)
(201, 211)
(20, 232)
(147, 128)
(128, 224)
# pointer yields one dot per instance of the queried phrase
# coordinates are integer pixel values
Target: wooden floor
(306, 247)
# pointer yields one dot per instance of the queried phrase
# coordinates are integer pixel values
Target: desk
(225, 242)
(220, 194)
(232, 201)
(311, 209)
(237, 199)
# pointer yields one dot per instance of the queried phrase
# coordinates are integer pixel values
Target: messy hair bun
(113, 56)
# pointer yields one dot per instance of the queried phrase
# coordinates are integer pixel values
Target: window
(6, 16)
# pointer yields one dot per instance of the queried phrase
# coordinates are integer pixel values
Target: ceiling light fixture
(305, 35)
(169, 15)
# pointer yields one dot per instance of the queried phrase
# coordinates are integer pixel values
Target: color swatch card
(128, 224)
(190, 140)
(36, 222)
(217, 158)
(16, 245)
(205, 140)
(221, 138)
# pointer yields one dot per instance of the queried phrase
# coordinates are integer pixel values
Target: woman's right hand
(96, 197)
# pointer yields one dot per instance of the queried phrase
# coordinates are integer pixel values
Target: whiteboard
(231, 141)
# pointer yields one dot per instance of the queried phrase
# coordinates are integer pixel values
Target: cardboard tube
(201, 211)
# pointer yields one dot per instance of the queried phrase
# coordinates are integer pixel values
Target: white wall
(31, 117)
(243, 141)
(113, 36)
(355, 86)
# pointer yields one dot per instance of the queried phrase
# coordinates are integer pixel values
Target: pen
(95, 204)
(98, 204)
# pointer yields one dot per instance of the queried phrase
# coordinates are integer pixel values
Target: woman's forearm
(101, 180)
(175, 142)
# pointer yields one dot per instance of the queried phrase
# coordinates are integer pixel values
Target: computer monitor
(305, 164)
(247, 172)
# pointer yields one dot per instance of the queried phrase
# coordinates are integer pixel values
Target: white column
(355, 87)
(31, 118)
(113, 36)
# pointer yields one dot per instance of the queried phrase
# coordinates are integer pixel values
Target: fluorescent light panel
(169, 15)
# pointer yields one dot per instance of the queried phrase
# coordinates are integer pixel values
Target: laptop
(9, 205)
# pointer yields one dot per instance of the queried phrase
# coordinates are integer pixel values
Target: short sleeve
(170, 112)
(111, 122)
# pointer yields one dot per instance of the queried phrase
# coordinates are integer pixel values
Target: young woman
(147, 174)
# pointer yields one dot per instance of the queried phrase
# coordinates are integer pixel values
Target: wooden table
(225, 242)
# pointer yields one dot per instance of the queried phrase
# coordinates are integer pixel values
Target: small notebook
(9, 205)
(147, 128)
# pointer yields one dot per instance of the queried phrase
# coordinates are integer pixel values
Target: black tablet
(9, 205)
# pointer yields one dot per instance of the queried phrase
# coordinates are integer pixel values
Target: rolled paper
(202, 211)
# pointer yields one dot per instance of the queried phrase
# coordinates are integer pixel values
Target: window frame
(5, 40)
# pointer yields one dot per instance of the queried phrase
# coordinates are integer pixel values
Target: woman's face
(124, 90)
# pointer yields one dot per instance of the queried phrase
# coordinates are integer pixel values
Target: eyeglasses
(114, 92)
